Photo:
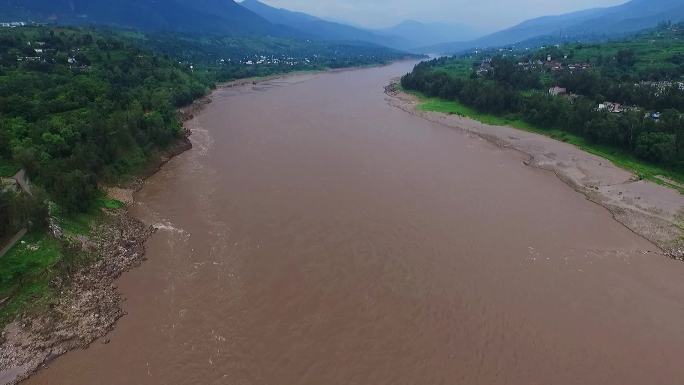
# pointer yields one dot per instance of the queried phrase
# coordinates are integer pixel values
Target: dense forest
(627, 95)
(79, 107)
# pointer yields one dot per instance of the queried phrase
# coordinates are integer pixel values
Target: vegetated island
(85, 115)
(618, 101)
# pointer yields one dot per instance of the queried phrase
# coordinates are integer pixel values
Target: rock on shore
(88, 306)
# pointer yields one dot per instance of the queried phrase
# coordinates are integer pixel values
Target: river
(317, 235)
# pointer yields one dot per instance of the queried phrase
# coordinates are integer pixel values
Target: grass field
(25, 273)
(81, 223)
(459, 68)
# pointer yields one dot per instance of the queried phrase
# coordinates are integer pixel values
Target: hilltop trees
(83, 107)
(626, 58)
(508, 74)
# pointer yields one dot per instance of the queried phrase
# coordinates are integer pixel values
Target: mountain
(409, 34)
(280, 15)
(630, 17)
(419, 34)
(200, 16)
(319, 28)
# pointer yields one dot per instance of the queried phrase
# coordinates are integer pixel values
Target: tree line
(510, 87)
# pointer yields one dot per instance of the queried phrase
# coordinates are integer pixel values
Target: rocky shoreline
(89, 304)
(650, 210)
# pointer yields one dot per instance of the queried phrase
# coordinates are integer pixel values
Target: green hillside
(623, 100)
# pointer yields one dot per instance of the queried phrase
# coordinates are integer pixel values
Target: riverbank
(651, 210)
(88, 305)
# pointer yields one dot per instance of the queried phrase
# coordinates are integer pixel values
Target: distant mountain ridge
(629, 17)
(254, 18)
(223, 17)
(419, 34)
(200, 16)
(406, 35)
(319, 28)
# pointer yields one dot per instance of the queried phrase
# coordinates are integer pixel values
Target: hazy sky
(488, 14)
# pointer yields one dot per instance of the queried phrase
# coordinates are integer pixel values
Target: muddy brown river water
(315, 235)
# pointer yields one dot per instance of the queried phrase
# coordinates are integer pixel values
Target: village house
(653, 116)
(615, 108)
(579, 66)
(557, 91)
(484, 67)
(29, 59)
(661, 87)
(13, 24)
(554, 65)
(528, 65)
